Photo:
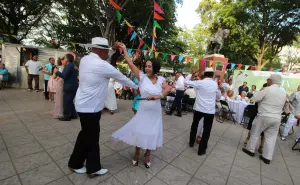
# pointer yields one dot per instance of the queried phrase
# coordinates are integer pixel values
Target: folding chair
(184, 104)
(225, 113)
(294, 147)
(284, 118)
(249, 112)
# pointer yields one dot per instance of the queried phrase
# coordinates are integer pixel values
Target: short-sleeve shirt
(5, 76)
(33, 67)
(48, 67)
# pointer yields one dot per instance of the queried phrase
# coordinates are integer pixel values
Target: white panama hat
(209, 69)
(98, 42)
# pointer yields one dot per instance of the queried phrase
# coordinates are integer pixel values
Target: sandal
(147, 164)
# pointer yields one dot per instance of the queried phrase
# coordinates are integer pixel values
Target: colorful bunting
(156, 54)
(128, 24)
(129, 30)
(278, 70)
(232, 66)
(187, 59)
(137, 52)
(156, 25)
(195, 61)
(157, 8)
(173, 57)
(252, 68)
(154, 32)
(158, 17)
(180, 58)
(115, 5)
(246, 67)
(145, 52)
(239, 66)
(141, 42)
(144, 47)
(73, 43)
(218, 64)
(164, 56)
(129, 51)
(133, 36)
(119, 16)
(210, 64)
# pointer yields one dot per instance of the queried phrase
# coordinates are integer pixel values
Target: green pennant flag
(218, 64)
(119, 16)
(145, 47)
(151, 54)
(164, 55)
(264, 69)
(156, 24)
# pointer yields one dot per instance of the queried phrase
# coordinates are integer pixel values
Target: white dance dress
(145, 129)
(110, 99)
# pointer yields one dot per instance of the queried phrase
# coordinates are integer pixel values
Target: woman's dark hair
(254, 86)
(155, 66)
(54, 66)
(69, 57)
(59, 63)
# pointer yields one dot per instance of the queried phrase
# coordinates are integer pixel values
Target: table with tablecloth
(238, 107)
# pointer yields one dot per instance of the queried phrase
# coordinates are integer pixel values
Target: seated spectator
(252, 91)
(3, 74)
(230, 95)
(242, 96)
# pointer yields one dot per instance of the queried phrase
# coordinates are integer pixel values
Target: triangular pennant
(271, 69)
(144, 47)
(187, 59)
(252, 68)
(145, 52)
(151, 54)
(137, 52)
(128, 24)
(158, 17)
(218, 64)
(239, 66)
(119, 16)
(133, 36)
(73, 43)
(202, 62)
(211, 62)
(156, 54)
(115, 5)
(278, 70)
(207, 63)
(120, 50)
(164, 55)
(153, 47)
(156, 24)
(180, 58)
(154, 32)
(153, 41)
(173, 57)
(129, 30)
(141, 42)
(246, 67)
(129, 51)
(195, 61)
(232, 66)
(157, 8)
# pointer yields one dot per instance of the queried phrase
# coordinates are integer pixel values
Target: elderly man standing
(33, 68)
(207, 93)
(94, 76)
(270, 105)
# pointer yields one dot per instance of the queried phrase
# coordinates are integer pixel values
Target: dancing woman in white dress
(145, 129)
(110, 99)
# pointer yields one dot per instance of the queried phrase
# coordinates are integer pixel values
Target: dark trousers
(177, 101)
(207, 124)
(46, 89)
(68, 104)
(87, 143)
(36, 79)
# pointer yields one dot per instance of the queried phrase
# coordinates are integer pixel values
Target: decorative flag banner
(121, 50)
(158, 17)
(119, 16)
(129, 51)
(141, 42)
(246, 67)
(156, 54)
(202, 62)
(239, 66)
(225, 66)
(156, 25)
(145, 52)
(129, 30)
(195, 61)
(128, 24)
(164, 56)
(187, 59)
(144, 47)
(153, 41)
(133, 36)
(173, 57)
(138, 52)
(180, 58)
(218, 64)
(252, 68)
(278, 70)
(272, 69)
(154, 31)
(232, 66)
(73, 43)
(115, 5)
(210, 63)
(157, 8)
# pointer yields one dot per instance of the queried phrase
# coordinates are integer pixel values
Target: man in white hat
(207, 93)
(270, 105)
(94, 76)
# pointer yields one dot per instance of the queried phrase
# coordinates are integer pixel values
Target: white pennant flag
(145, 52)
(195, 61)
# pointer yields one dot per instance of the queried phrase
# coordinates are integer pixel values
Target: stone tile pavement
(34, 150)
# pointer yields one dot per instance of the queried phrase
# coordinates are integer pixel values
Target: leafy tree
(258, 28)
(18, 18)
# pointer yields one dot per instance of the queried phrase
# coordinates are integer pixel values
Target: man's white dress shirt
(179, 84)
(270, 101)
(94, 76)
(191, 92)
(207, 93)
(33, 67)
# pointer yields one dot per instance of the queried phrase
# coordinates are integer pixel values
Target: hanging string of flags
(156, 17)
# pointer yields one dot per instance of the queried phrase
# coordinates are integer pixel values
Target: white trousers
(270, 128)
(289, 124)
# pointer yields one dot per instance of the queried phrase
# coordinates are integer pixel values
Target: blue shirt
(5, 76)
(48, 67)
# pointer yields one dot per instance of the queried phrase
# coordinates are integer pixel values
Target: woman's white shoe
(100, 172)
(80, 170)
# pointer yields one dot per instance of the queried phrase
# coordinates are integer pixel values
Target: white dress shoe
(80, 171)
(100, 172)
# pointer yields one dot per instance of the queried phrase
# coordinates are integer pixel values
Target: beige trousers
(270, 128)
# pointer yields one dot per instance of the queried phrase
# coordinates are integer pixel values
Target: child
(51, 85)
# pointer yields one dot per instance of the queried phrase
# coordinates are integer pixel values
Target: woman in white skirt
(110, 99)
(145, 129)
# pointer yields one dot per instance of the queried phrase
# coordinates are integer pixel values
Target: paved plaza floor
(35, 149)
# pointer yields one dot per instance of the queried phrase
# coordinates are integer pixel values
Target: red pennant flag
(187, 59)
(138, 52)
(271, 69)
(295, 72)
(239, 66)
(252, 68)
(115, 5)
(173, 57)
(141, 42)
(158, 17)
(157, 8)
(129, 30)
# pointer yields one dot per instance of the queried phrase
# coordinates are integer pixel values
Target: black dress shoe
(202, 153)
(169, 113)
(248, 152)
(64, 119)
(179, 115)
(266, 161)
